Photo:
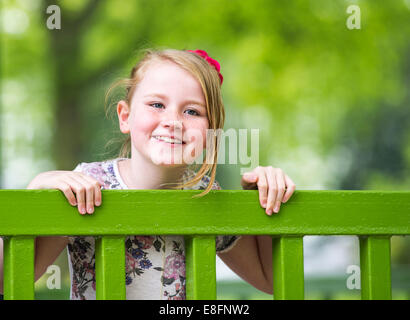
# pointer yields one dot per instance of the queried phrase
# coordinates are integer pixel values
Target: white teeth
(166, 139)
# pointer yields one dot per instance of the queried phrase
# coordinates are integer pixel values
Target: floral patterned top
(155, 265)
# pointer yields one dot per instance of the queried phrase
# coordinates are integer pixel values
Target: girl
(173, 98)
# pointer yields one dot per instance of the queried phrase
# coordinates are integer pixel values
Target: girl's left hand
(271, 183)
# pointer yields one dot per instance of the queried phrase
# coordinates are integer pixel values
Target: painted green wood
(18, 268)
(287, 268)
(110, 268)
(375, 272)
(47, 212)
(200, 264)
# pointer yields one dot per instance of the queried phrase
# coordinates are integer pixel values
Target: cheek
(205, 128)
(142, 126)
(197, 132)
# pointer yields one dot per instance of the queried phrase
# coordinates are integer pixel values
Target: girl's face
(167, 104)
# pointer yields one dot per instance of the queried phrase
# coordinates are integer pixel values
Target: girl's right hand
(86, 188)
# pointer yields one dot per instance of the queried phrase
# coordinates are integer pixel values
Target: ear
(123, 112)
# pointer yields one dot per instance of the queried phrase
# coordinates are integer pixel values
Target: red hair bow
(211, 61)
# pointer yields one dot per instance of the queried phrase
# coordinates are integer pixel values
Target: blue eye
(196, 113)
(152, 104)
(160, 104)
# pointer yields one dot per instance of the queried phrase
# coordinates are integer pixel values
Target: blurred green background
(332, 104)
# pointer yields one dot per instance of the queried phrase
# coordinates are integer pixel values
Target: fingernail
(269, 212)
(82, 210)
(97, 203)
(90, 210)
(249, 176)
(276, 209)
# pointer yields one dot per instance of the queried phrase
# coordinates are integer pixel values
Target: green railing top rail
(143, 212)
(372, 215)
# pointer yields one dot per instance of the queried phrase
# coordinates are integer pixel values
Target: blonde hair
(209, 80)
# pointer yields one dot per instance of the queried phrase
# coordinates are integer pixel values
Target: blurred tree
(379, 148)
(69, 84)
(74, 81)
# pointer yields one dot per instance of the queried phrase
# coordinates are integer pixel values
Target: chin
(165, 157)
(167, 162)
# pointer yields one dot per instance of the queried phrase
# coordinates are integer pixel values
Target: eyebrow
(159, 95)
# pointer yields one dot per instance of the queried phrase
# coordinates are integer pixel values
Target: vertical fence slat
(110, 268)
(200, 260)
(287, 265)
(18, 268)
(375, 272)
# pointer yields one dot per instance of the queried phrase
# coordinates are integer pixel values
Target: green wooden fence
(374, 216)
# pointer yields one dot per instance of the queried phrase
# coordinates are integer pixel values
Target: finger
(272, 189)
(97, 189)
(280, 181)
(68, 193)
(89, 191)
(80, 191)
(289, 190)
(263, 188)
(249, 180)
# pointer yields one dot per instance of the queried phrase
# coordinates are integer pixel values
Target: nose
(172, 124)
(171, 120)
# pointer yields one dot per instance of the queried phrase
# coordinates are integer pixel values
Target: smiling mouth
(168, 140)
